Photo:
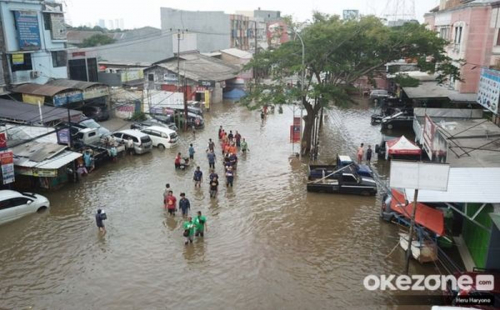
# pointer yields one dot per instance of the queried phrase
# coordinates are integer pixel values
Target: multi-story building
(267, 16)
(32, 41)
(472, 29)
(211, 27)
(242, 31)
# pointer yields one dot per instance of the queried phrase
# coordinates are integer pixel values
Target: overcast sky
(139, 13)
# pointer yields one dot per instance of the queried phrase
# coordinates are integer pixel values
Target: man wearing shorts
(170, 203)
(200, 222)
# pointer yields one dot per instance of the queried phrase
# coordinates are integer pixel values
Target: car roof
(132, 132)
(162, 129)
(7, 194)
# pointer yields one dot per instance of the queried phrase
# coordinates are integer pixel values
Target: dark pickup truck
(317, 171)
(346, 181)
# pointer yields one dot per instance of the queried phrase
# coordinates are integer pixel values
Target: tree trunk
(307, 134)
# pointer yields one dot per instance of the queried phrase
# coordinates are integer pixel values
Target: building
(212, 28)
(122, 74)
(237, 57)
(242, 32)
(277, 33)
(32, 41)
(201, 73)
(267, 16)
(472, 28)
(350, 14)
(102, 23)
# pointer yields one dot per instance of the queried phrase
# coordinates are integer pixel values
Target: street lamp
(301, 86)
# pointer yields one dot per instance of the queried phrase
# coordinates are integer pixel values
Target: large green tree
(96, 40)
(338, 53)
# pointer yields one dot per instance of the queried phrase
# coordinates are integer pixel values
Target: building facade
(33, 41)
(472, 30)
(212, 28)
(242, 31)
(267, 15)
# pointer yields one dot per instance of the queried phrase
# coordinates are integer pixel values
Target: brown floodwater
(270, 244)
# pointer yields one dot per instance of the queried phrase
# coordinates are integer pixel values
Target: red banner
(3, 141)
(6, 158)
(296, 121)
(294, 134)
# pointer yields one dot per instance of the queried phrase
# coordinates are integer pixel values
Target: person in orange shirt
(232, 149)
(227, 148)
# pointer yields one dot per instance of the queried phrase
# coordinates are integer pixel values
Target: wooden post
(410, 235)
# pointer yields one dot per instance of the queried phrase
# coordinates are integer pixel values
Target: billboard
(418, 175)
(488, 93)
(429, 131)
(7, 163)
(58, 27)
(28, 30)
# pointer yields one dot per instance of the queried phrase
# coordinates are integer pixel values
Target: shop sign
(17, 59)
(44, 173)
(95, 92)
(294, 134)
(132, 75)
(206, 83)
(33, 99)
(28, 30)
(3, 141)
(207, 99)
(7, 162)
(58, 27)
(69, 97)
(200, 89)
(488, 94)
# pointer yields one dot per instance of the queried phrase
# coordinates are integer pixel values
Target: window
(20, 62)
(59, 59)
(47, 21)
(458, 34)
(348, 179)
(16, 202)
(498, 37)
(151, 77)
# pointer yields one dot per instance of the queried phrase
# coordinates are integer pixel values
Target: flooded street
(270, 244)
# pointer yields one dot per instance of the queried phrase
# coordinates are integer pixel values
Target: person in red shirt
(171, 203)
(221, 133)
(177, 162)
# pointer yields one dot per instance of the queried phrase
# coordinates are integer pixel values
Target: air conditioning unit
(34, 74)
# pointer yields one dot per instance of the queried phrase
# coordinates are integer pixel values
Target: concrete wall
(267, 15)
(212, 28)
(41, 59)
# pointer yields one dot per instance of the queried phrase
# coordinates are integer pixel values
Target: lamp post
(301, 87)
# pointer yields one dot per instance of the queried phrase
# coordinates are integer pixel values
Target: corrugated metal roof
(29, 113)
(81, 85)
(433, 90)
(42, 90)
(195, 66)
(237, 53)
(55, 162)
(465, 185)
(38, 152)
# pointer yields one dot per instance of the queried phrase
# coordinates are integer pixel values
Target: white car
(142, 142)
(14, 205)
(162, 137)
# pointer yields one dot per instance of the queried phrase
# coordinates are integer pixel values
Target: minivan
(162, 137)
(14, 205)
(142, 142)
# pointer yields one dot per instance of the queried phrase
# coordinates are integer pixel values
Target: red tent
(401, 146)
(426, 216)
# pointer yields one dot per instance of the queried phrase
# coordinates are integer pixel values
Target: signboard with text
(429, 132)
(488, 94)
(28, 30)
(58, 27)
(7, 162)
(419, 175)
(206, 83)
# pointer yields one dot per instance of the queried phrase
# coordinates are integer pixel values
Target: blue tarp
(234, 94)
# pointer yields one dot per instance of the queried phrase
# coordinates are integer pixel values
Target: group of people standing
(196, 226)
(361, 153)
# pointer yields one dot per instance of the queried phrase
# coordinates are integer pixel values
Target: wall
(41, 59)
(212, 28)
(476, 238)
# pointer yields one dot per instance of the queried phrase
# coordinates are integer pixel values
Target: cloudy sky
(138, 13)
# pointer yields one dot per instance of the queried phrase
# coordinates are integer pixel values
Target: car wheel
(41, 209)
(161, 146)
(390, 126)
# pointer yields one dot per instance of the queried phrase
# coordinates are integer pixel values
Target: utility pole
(180, 32)
(410, 234)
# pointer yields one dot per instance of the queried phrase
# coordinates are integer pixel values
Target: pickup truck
(317, 171)
(343, 183)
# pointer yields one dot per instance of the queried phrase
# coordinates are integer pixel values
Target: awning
(425, 216)
(465, 185)
(42, 90)
(53, 163)
(30, 114)
(401, 146)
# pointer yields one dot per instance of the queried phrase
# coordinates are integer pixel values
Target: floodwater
(270, 244)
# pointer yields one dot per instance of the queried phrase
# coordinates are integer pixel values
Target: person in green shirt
(189, 229)
(201, 224)
(244, 146)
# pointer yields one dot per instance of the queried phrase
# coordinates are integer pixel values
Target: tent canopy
(234, 94)
(425, 216)
(402, 146)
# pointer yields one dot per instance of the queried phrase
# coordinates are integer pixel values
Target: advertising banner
(63, 136)
(17, 59)
(33, 99)
(7, 162)
(419, 175)
(58, 27)
(429, 131)
(95, 92)
(294, 134)
(488, 94)
(206, 83)
(207, 99)
(28, 30)
(3, 141)
(132, 75)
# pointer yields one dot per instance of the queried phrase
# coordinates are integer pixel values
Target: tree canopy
(338, 53)
(96, 40)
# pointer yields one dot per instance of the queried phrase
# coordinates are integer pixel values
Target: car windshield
(173, 135)
(90, 123)
(145, 139)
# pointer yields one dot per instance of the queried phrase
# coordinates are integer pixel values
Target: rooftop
(237, 53)
(81, 85)
(42, 89)
(29, 113)
(428, 90)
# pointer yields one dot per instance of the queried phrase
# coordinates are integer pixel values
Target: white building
(32, 41)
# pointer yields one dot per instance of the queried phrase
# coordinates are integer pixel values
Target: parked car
(343, 183)
(317, 171)
(164, 118)
(399, 120)
(97, 113)
(152, 122)
(90, 123)
(162, 137)
(142, 142)
(14, 205)
(379, 93)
